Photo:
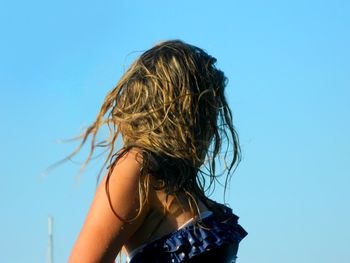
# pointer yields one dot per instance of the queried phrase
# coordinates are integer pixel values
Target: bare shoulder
(114, 215)
(131, 160)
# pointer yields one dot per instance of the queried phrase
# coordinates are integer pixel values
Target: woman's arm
(103, 233)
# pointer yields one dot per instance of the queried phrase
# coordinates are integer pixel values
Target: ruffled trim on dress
(192, 240)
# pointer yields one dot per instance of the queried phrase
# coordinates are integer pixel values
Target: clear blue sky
(288, 63)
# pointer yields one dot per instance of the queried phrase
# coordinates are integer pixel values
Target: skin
(103, 234)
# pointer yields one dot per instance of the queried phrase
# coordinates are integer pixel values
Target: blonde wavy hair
(171, 105)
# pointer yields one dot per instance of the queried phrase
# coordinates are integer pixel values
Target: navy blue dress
(213, 239)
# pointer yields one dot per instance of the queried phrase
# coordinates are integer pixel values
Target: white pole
(50, 244)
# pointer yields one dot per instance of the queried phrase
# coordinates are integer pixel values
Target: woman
(172, 114)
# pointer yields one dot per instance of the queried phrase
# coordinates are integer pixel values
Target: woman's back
(169, 217)
(166, 214)
(171, 233)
